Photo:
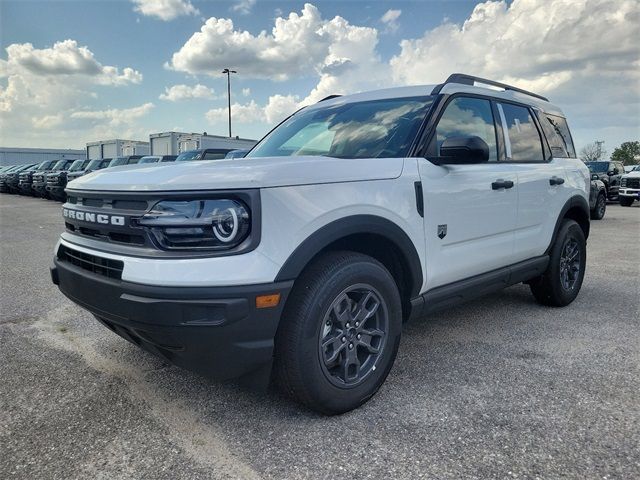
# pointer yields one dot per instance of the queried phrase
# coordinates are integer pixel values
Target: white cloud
(390, 20)
(243, 6)
(165, 9)
(581, 53)
(177, 93)
(64, 58)
(113, 116)
(277, 109)
(246, 92)
(43, 87)
(247, 113)
(302, 44)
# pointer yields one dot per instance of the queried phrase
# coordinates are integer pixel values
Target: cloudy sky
(73, 72)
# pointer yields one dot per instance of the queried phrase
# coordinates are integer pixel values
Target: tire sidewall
(336, 398)
(569, 230)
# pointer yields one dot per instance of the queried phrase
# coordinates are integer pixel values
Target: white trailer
(197, 141)
(116, 148)
(164, 143)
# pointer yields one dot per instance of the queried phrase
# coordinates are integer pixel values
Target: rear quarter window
(558, 135)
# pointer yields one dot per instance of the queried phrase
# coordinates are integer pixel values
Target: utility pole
(599, 143)
(229, 72)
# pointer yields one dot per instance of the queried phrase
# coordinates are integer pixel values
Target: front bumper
(214, 331)
(39, 188)
(56, 191)
(629, 192)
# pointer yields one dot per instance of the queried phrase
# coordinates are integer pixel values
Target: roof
(448, 88)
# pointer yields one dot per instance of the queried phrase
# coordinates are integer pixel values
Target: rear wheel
(600, 208)
(339, 334)
(625, 201)
(560, 284)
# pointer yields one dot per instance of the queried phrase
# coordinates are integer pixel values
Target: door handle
(556, 181)
(500, 183)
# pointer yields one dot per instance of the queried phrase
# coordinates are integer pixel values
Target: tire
(626, 201)
(559, 286)
(316, 312)
(600, 208)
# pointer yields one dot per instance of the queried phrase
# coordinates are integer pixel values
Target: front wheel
(625, 201)
(339, 334)
(560, 284)
(600, 208)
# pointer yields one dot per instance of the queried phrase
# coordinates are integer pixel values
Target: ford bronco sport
(356, 213)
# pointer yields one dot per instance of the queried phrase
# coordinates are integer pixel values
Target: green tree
(628, 153)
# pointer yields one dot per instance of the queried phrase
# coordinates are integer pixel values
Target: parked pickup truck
(355, 214)
(39, 179)
(629, 188)
(57, 180)
(26, 177)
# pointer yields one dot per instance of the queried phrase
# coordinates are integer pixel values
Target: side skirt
(451, 294)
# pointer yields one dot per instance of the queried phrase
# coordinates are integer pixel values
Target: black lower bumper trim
(215, 331)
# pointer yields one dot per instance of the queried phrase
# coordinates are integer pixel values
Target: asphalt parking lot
(497, 388)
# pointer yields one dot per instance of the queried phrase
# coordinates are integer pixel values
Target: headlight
(623, 182)
(198, 224)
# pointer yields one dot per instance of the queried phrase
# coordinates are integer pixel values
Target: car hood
(631, 175)
(238, 173)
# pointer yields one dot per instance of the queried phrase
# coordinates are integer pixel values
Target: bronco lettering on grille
(93, 217)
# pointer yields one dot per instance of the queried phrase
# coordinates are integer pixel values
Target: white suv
(351, 216)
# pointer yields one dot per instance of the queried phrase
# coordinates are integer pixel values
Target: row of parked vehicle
(49, 178)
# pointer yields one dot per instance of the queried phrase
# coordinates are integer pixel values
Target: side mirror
(594, 176)
(616, 171)
(463, 150)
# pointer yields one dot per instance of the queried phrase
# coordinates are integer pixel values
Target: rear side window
(466, 117)
(557, 132)
(522, 139)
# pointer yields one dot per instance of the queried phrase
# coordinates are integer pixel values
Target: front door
(469, 210)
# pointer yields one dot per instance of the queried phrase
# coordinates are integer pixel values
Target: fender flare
(347, 226)
(575, 202)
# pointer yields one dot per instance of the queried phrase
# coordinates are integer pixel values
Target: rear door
(469, 218)
(542, 184)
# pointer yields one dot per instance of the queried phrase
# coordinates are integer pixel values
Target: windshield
(598, 167)
(44, 165)
(60, 165)
(237, 154)
(149, 159)
(77, 165)
(117, 161)
(372, 129)
(190, 155)
(97, 164)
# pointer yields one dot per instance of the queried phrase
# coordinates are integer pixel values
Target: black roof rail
(329, 98)
(465, 79)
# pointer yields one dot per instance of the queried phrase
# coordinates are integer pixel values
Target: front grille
(53, 180)
(632, 182)
(92, 263)
(38, 179)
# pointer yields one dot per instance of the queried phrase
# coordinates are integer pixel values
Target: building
(21, 156)
(116, 148)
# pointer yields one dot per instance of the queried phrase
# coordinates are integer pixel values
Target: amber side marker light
(268, 301)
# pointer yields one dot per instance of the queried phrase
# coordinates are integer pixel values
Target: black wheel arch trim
(353, 225)
(575, 202)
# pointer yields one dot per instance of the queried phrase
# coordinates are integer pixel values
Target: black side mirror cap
(462, 150)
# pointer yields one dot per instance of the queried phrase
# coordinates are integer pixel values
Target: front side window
(468, 117)
(369, 129)
(523, 143)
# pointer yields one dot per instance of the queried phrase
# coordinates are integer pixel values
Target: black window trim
(440, 105)
(573, 145)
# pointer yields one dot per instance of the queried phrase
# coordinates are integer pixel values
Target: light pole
(229, 72)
